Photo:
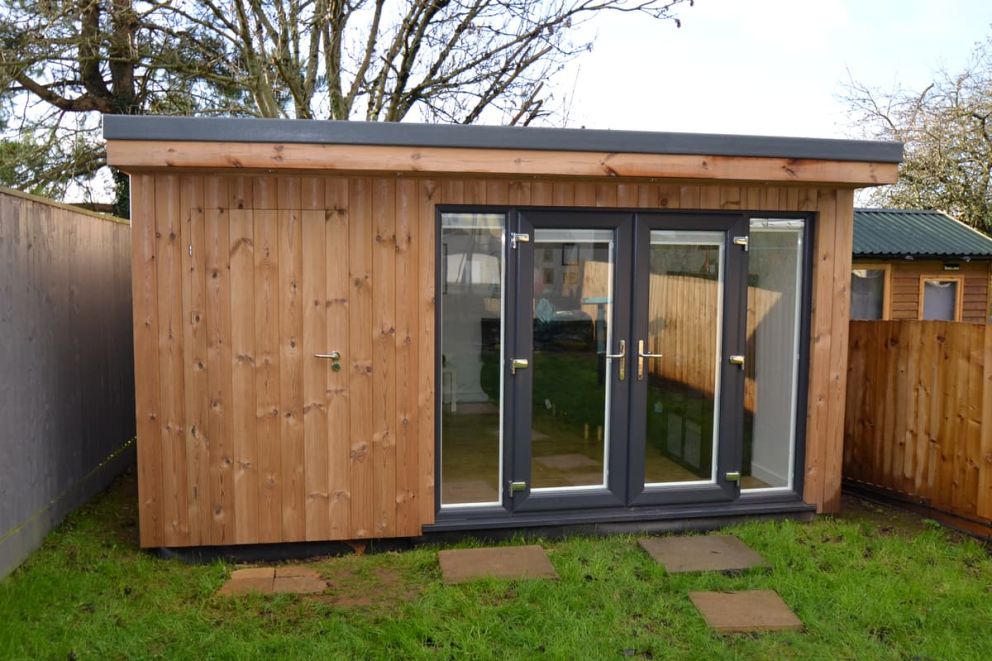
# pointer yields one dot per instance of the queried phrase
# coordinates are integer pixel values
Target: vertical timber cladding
(244, 436)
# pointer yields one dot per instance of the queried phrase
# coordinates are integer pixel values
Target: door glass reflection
(471, 331)
(572, 315)
(685, 309)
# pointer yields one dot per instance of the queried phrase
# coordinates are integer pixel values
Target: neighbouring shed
(918, 264)
(350, 330)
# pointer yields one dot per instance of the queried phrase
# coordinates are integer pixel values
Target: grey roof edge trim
(308, 131)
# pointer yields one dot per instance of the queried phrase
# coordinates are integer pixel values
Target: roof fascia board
(204, 129)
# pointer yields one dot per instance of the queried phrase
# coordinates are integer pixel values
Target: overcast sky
(766, 67)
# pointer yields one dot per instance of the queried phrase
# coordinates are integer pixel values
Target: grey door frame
(519, 387)
(729, 445)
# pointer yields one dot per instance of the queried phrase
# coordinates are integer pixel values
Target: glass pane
(685, 304)
(773, 308)
(572, 317)
(867, 293)
(471, 354)
(940, 299)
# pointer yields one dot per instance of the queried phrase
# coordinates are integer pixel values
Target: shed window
(940, 300)
(868, 293)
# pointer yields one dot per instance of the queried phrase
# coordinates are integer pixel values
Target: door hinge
(518, 364)
(518, 237)
(733, 476)
(742, 241)
(517, 487)
(736, 359)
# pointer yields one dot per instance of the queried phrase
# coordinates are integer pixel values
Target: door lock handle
(622, 357)
(641, 355)
(334, 357)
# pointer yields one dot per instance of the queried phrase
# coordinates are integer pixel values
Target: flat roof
(475, 136)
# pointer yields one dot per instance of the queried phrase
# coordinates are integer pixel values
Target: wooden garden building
(919, 264)
(347, 331)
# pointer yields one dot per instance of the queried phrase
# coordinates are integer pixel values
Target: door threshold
(642, 518)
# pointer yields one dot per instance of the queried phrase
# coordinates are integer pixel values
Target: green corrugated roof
(901, 232)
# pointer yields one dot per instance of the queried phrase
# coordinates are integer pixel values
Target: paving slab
(702, 553)
(298, 585)
(295, 571)
(254, 572)
(237, 586)
(747, 611)
(511, 562)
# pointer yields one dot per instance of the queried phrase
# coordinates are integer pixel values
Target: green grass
(871, 585)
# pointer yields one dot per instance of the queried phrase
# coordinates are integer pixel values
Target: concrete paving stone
(237, 586)
(743, 612)
(702, 553)
(254, 572)
(509, 562)
(298, 585)
(296, 571)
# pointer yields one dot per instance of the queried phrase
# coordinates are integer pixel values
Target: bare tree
(460, 61)
(945, 127)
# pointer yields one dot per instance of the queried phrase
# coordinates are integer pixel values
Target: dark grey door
(619, 381)
(569, 410)
(689, 318)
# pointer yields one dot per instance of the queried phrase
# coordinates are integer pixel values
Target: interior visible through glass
(940, 300)
(685, 320)
(867, 293)
(772, 368)
(471, 300)
(572, 320)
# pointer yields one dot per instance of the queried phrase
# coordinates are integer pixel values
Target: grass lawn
(873, 584)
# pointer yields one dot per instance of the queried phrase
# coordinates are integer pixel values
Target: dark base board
(544, 527)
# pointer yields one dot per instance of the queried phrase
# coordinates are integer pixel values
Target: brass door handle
(622, 357)
(641, 355)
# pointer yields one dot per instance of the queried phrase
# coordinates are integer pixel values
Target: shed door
(274, 311)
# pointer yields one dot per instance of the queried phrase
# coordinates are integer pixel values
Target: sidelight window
(775, 279)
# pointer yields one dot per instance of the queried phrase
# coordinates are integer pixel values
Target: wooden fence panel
(919, 402)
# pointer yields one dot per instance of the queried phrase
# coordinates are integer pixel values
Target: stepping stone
(298, 580)
(702, 553)
(253, 572)
(742, 612)
(298, 585)
(252, 579)
(511, 562)
(292, 571)
(268, 580)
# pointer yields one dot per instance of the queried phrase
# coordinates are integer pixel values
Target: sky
(764, 67)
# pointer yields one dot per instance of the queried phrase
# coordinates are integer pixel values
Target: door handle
(641, 355)
(334, 357)
(622, 357)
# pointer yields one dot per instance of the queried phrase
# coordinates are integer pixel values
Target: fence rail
(919, 414)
